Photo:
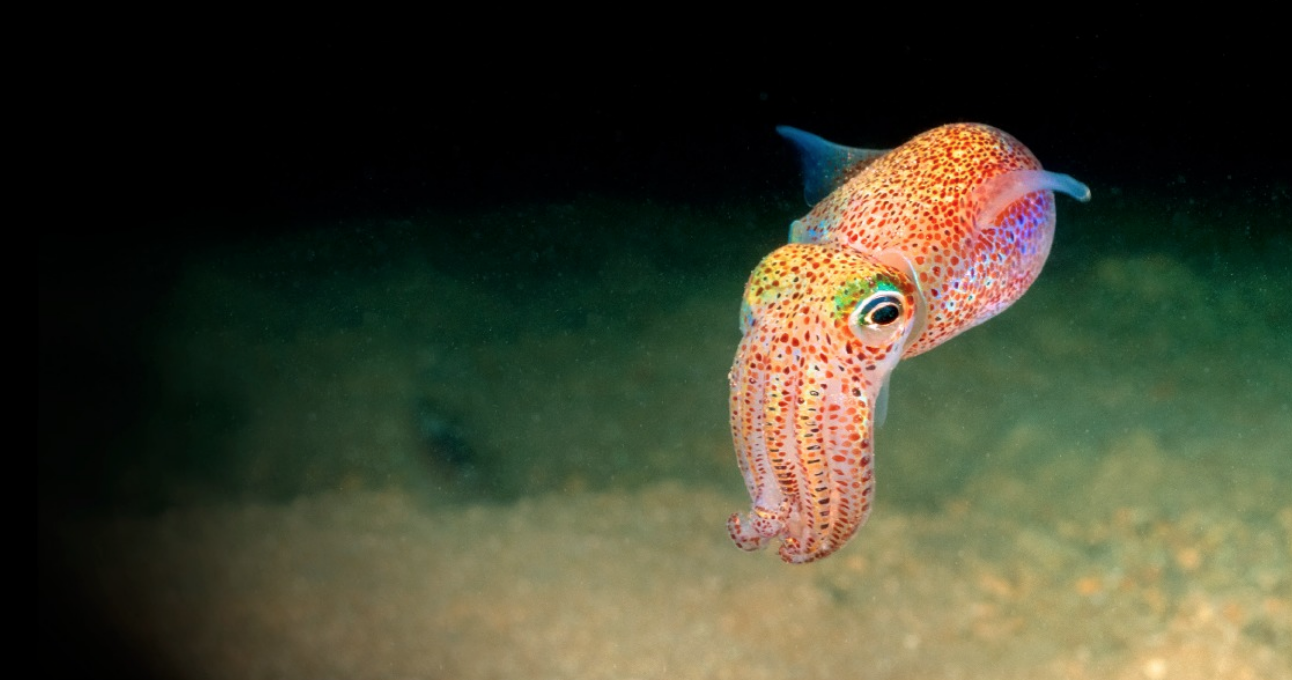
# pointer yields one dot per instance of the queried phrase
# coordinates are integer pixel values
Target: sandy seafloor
(380, 451)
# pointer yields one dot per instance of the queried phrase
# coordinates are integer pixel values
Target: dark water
(471, 315)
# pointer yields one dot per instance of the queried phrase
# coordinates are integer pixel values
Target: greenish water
(503, 353)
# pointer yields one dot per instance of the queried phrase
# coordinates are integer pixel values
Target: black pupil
(882, 311)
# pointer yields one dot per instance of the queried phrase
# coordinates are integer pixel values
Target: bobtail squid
(903, 250)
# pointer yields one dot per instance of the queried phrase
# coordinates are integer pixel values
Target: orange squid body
(906, 249)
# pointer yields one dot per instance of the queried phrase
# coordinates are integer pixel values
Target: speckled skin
(919, 245)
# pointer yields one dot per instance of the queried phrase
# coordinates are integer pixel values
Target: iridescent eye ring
(880, 309)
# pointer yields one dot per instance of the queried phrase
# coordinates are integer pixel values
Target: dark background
(280, 130)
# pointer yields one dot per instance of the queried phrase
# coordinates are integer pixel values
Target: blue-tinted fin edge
(826, 165)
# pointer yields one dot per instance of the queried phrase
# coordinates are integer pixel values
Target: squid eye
(878, 310)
